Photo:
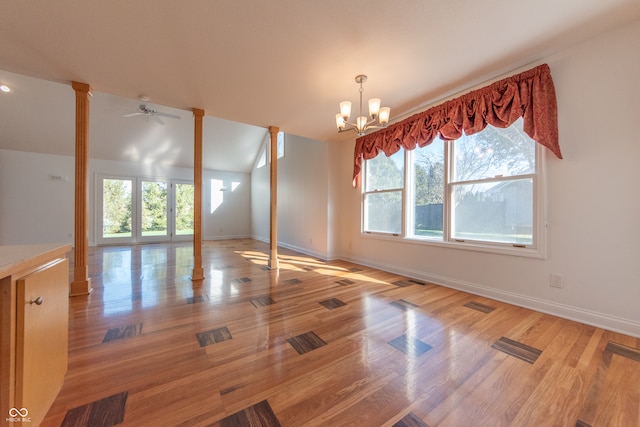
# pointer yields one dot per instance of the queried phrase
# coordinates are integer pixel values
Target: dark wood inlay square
(240, 280)
(402, 283)
(355, 269)
(623, 350)
(410, 346)
(124, 332)
(197, 298)
(582, 424)
(306, 342)
(104, 412)
(213, 336)
(516, 349)
(230, 389)
(417, 282)
(293, 281)
(410, 420)
(345, 282)
(307, 268)
(405, 305)
(332, 303)
(480, 307)
(262, 301)
(258, 415)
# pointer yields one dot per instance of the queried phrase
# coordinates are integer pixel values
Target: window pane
(385, 173)
(184, 209)
(116, 208)
(493, 152)
(428, 190)
(383, 212)
(154, 208)
(496, 212)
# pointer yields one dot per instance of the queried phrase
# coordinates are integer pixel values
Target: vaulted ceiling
(250, 64)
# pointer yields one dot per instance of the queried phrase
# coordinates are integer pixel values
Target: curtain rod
(433, 102)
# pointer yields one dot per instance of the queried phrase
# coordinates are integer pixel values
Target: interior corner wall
(303, 197)
(260, 201)
(593, 203)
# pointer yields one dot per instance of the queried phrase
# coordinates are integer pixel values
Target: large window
(135, 210)
(480, 191)
(383, 194)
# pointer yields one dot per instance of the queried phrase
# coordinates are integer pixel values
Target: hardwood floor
(324, 344)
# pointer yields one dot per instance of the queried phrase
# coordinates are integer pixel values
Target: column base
(273, 264)
(80, 287)
(197, 274)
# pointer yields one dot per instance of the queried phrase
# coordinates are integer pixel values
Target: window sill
(528, 252)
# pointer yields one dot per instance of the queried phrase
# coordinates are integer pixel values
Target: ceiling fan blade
(157, 119)
(132, 114)
(173, 116)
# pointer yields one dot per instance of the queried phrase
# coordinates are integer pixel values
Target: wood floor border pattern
(410, 420)
(128, 331)
(258, 415)
(262, 301)
(306, 342)
(479, 307)
(332, 303)
(213, 336)
(106, 412)
(410, 346)
(514, 348)
(623, 350)
(404, 305)
(197, 299)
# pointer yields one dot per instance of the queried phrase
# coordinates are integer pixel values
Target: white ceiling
(285, 63)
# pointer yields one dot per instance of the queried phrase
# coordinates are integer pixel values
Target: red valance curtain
(530, 95)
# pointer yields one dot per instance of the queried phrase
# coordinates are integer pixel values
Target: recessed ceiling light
(5, 88)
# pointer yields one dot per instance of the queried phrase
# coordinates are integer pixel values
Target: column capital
(81, 87)
(198, 112)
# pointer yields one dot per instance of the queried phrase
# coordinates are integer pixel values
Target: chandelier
(378, 116)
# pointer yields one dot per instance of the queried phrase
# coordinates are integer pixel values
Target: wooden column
(273, 179)
(198, 271)
(81, 284)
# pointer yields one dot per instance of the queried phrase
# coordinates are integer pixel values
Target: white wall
(593, 202)
(303, 198)
(37, 209)
(227, 213)
(260, 199)
(34, 208)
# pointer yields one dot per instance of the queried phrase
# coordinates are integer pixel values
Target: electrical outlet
(556, 281)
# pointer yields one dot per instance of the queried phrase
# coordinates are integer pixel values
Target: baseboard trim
(234, 236)
(320, 256)
(589, 317)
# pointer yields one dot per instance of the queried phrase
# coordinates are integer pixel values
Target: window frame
(537, 249)
(403, 207)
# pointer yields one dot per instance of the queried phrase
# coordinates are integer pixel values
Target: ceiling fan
(149, 111)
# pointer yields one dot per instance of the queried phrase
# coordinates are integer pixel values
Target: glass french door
(137, 210)
(183, 197)
(154, 211)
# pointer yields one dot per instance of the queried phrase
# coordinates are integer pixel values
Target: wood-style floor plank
(323, 343)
